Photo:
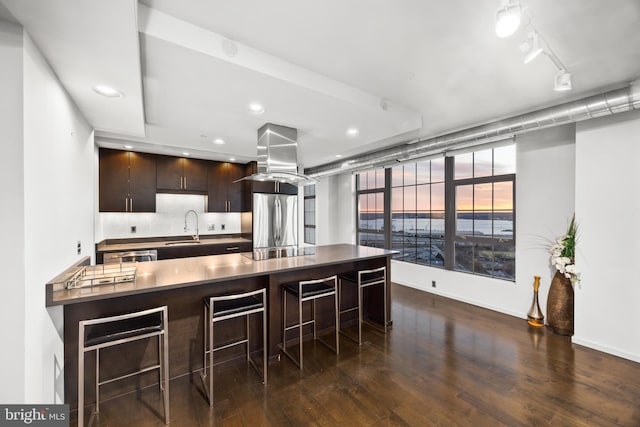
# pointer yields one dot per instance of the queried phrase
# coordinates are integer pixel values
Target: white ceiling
(189, 68)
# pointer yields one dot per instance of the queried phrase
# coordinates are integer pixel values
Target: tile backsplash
(168, 220)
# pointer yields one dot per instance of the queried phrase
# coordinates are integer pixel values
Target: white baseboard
(458, 298)
(606, 349)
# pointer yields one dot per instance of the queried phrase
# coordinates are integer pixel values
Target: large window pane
(437, 197)
(397, 178)
(423, 173)
(482, 208)
(464, 210)
(379, 178)
(482, 163)
(504, 160)
(504, 261)
(363, 220)
(503, 209)
(410, 174)
(379, 224)
(464, 166)
(371, 180)
(464, 256)
(437, 170)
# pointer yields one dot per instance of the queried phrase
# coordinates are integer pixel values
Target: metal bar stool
(96, 334)
(225, 307)
(363, 279)
(308, 290)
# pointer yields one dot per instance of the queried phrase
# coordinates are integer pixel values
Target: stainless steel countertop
(183, 272)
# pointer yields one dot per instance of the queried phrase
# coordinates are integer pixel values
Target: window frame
(450, 214)
(310, 227)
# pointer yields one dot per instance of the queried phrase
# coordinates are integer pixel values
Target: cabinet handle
(126, 204)
(185, 182)
(233, 248)
(131, 204)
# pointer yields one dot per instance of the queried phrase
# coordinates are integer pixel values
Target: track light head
(531, 47)
(562, 81)
(508, 18)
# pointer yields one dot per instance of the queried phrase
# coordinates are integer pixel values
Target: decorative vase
(560, 305)
(535, 316)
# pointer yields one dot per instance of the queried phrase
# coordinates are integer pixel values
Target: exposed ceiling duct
(605, 104)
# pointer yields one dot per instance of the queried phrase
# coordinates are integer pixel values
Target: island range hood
(278, 156)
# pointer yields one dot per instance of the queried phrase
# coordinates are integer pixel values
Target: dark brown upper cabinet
(127, 181)
(181, 175)
(225, 195)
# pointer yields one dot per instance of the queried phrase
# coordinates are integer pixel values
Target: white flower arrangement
(563, 253)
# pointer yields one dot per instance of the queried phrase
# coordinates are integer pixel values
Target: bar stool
(308, 290)
(225, 307)
(96, 334)
(363, 279)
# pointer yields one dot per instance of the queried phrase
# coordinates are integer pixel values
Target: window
(476, 234)
(310, 214)
(417, 212)
(484, 189)
(371, 212)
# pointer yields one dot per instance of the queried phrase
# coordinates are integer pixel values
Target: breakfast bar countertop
(183, 272)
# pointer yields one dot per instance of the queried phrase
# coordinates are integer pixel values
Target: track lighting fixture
(508, 18)
(531, 47)
(562, 81)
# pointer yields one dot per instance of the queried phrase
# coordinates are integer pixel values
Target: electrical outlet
(133, 229)
(212, 227)
(433, 283)
(79, 247)
(222, 226)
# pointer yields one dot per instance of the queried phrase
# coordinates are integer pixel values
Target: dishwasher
(130, 256)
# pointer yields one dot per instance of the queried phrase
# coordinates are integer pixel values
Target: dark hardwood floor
(444, 363)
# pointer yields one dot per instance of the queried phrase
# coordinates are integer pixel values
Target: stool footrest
(141, 371)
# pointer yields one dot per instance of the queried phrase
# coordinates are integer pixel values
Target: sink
(183, 243)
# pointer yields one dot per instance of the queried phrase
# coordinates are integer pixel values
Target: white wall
(59, 202)
(12, 256)
(51, 202)
(168, 220)
(607, 316)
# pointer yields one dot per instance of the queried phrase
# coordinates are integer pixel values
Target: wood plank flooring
(444, 363)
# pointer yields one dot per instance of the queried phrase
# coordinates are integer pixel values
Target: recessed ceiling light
(338, 155)
(184, 153)
(232, 159)
(219, 141)
(353, 132)
(108, 91)
(256, 108)
(128, 147)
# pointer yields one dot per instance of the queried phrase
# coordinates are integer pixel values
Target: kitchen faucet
(197, 235)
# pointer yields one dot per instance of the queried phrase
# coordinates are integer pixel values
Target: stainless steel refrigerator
(275, 225)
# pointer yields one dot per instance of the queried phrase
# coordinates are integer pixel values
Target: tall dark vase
(560, 305)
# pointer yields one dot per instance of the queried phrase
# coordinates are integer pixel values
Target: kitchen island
(182, 284)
